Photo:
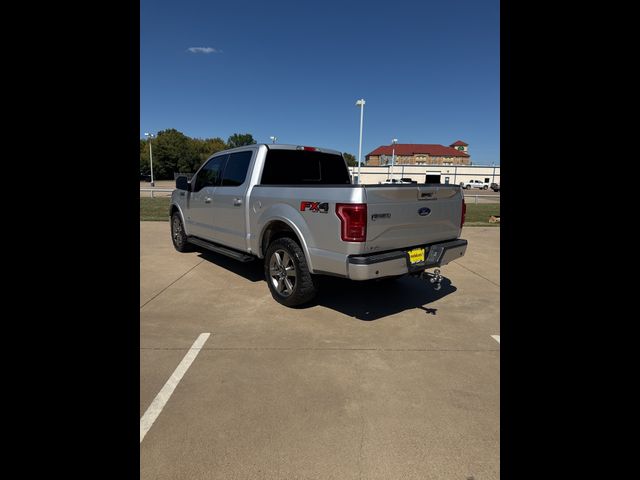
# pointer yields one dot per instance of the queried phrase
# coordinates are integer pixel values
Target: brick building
(420, 154)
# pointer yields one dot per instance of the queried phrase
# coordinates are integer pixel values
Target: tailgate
(405, 215)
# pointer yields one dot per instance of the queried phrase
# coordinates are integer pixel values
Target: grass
(478, 215)
(157, 209)
(154, 209)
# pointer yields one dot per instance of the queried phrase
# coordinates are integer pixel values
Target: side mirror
(182, 183)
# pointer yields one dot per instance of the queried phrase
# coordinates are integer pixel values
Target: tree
(145, 167)
(351, 159)
(240, 139)
(205, 147)
(173, 152)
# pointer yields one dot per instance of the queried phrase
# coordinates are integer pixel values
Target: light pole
(273, 139)
(360, 103)
(393, 154)
(150, 136)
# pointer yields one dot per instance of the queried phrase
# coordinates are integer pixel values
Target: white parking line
(165, 393)
(496, 338)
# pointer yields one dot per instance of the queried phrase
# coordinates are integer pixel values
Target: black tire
(303, 288)
(178, 235)
(485, 187)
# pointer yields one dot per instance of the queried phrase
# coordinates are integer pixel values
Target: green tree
(205, 147)
(173, 152)
(240, 139)
(145, 167)
(351, 159)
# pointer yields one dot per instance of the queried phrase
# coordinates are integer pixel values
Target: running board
(241, 257)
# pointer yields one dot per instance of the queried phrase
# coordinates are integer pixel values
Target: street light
(273, 139)
(150, 136)
(360, 103)
(393, 154)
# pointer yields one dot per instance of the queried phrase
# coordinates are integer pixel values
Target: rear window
(303, 167)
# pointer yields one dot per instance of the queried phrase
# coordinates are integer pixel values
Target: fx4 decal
(315, 207)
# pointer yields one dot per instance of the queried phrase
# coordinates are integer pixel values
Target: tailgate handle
(426, 195)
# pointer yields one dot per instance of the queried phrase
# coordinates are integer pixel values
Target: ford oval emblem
(424, 211)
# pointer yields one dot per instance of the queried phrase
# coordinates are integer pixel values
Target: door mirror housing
(182, 183)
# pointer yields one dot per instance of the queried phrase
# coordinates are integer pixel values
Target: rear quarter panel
(318, 232)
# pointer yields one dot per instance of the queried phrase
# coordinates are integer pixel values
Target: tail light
(464, 213)
(353, 219)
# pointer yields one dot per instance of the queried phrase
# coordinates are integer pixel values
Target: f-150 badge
(315, 207)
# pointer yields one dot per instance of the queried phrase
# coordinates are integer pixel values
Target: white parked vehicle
(395, 181)
(474, 184)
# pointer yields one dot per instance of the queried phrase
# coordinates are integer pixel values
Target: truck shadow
(252, 271)
(373, 300)
(365, 301)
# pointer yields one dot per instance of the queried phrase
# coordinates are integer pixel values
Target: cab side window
(235, 172)
(210, 175)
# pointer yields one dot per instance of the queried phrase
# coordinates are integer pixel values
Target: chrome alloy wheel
(177, 230)
(283, 272)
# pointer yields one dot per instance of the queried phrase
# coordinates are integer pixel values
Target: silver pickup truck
(296, 209)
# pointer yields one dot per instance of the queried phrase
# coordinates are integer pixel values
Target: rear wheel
(485, 187)
(287, 273)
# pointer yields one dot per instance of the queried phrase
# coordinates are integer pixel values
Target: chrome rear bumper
(389, 264)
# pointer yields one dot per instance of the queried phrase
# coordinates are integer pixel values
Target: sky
(429, 71)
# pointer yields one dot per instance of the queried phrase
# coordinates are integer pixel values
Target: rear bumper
(389, 264)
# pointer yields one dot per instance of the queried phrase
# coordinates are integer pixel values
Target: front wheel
(287, 273)
(178, 235)
(485, 187)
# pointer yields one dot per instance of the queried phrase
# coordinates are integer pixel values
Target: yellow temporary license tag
(416, 255)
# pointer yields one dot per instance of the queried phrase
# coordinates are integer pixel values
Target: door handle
(237, 202)
(207, 200)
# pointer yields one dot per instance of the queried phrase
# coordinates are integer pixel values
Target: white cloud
(202, 50)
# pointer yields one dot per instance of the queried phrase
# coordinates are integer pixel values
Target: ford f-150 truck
(296, 209)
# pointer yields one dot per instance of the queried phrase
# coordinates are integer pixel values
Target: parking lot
(372, 381)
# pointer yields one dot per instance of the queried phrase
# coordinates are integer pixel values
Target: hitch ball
(435, 278)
